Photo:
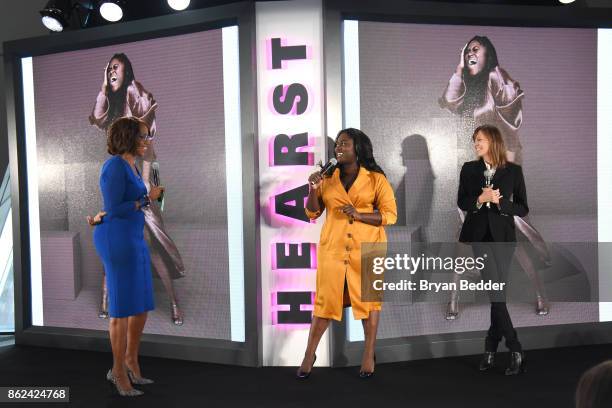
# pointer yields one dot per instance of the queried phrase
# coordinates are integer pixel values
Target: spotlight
(112, 10)
(56, 14)
(179, 4)
(567, 1)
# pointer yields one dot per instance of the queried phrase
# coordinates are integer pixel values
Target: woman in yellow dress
(359, 202)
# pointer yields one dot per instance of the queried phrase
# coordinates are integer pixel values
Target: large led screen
(186, 88)
(419, 91)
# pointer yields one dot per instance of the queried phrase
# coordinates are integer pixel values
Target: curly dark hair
(116, 100)
(122, 135)
(476, 85)
(363, 149)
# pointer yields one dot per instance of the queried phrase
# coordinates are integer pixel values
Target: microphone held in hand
(488, 175)
(316, 177)
(330, 165)
(156, 180)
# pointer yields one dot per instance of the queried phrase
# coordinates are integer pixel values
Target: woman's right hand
(104, 88)
(156, 192)
(315, 180)
(461, 60)
(488, 195)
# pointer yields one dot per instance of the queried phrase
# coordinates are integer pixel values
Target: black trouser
(496, 266)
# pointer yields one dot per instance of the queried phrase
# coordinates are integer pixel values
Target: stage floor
(449, 382)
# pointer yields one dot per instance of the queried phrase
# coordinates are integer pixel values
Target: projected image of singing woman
(481, 92)
(359, 202)
(121, 95)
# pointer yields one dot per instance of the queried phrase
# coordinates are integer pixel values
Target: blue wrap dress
(119, 241)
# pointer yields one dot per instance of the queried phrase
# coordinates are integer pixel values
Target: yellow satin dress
(339, 251)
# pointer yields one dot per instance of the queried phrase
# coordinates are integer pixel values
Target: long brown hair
(497, 148)
(595, 387)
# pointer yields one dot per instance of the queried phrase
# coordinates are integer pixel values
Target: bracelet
(144, 201)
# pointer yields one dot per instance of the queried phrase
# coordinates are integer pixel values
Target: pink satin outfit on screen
(165, 257)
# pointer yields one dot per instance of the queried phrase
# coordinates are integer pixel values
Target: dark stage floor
(450, 382)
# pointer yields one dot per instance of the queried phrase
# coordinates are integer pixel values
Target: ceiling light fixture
(56, 14)
(179, 4)
(112, 10)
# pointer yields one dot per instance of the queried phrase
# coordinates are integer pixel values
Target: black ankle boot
(517, 363)
(487, 362)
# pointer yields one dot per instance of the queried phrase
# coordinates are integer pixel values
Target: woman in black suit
(489, 221)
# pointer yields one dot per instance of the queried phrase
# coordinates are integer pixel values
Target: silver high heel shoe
(124, 393)
(177, 316)
(542, 307)
(103, 312)
(138, 380)
(452, 309)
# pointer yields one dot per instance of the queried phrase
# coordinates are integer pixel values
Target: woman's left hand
(156, 192)
(97, 219)
(496, 196)
(351, 212)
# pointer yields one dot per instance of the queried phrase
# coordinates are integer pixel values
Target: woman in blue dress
(119, 241)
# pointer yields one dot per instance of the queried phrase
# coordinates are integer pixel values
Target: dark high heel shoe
(124, 393)
(367, 374)
(302, 375)
(487, 362)
(517, 363)
(177, 316)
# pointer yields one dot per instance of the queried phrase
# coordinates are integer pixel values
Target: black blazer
(511, 184)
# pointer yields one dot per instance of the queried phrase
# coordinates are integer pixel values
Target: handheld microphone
(488, 174)
(325, 169)
(156, 180)
(330, 165)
